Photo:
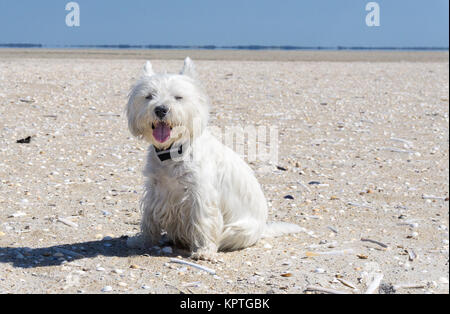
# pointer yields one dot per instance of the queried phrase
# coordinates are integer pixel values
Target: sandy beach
(363, 166)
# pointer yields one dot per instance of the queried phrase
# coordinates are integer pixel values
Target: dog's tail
(276, 229)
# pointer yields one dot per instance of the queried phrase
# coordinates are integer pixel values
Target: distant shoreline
(230, 54)
(218, 47)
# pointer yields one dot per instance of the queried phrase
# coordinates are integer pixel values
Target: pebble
(319, 271)
(167, 250)
(17, 214)
(156, 250)
(107, 289)
(145, 287)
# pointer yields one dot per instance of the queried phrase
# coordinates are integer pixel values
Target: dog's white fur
(207, 202)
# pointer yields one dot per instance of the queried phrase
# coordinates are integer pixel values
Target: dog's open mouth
(161, 131)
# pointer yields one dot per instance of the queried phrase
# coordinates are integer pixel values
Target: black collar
(164, 155)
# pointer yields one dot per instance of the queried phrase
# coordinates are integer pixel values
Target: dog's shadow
(24, 257)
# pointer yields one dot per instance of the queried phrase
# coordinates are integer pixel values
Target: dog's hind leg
(241, 234)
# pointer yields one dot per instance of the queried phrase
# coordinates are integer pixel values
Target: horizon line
(220, 47)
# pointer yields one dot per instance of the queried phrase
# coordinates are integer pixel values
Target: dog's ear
(148, 69)
(189, 68)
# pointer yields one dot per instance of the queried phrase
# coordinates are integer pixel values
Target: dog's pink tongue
(161, 132)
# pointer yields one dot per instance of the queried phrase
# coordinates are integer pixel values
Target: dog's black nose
(161, 111)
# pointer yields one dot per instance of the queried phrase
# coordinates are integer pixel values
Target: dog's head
(167, 108)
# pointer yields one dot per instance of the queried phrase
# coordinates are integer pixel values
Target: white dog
(197, 190)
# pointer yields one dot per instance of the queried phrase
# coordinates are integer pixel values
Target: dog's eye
(178, 98)
(150, 97)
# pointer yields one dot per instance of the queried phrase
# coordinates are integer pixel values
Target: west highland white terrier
(198, 191)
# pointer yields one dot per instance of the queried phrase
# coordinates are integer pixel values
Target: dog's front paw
(136, 242)
(139, 242)
(205, 255)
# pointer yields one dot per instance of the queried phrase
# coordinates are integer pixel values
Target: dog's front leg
(150, 228)
(149, 236)
(206, 232)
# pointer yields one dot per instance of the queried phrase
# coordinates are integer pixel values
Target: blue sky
(404, 23)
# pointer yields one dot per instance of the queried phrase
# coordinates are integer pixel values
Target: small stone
(167, 250)
(413, 235)
(118, 271)
(319, 271)
(107, 289)
(17, 214)
(145, 287)
(100, 269)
